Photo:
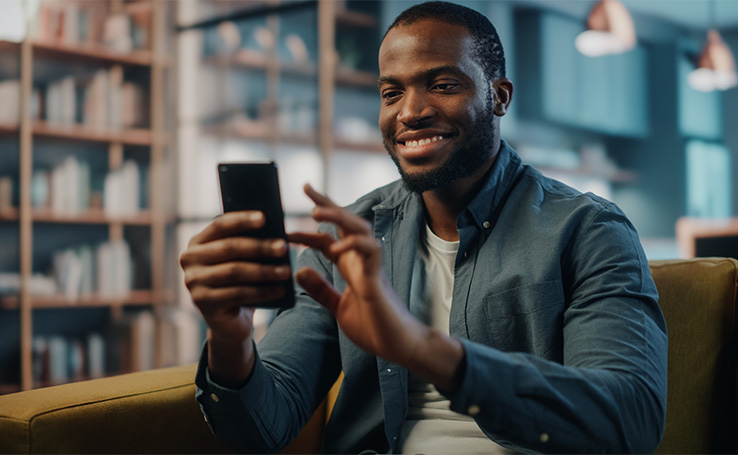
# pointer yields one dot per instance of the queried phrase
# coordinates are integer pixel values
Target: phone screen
(255, 186)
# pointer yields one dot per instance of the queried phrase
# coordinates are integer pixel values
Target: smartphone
(255, 186)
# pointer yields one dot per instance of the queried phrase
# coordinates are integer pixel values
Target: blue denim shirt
(553, 301)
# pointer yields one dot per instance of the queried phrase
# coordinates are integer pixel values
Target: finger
(233, 248)
(319, 199)
(208, 299)
(236, 273)
(320, 241)
(366, 246)
(318, 288)
(229, 224)
(346, 221)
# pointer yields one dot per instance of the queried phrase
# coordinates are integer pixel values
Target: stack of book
(67, 189)
(74, 23)
(101, 102)
(105, 270)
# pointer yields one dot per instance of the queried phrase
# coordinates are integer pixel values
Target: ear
(502, 90)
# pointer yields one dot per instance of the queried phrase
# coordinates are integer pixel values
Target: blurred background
(114, 114)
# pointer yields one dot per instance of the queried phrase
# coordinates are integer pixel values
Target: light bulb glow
(707, 80)
(593, 43)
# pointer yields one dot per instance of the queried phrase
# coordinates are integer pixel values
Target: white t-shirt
(431, 427)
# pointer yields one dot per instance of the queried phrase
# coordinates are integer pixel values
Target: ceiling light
(610, 30)
(715, 67)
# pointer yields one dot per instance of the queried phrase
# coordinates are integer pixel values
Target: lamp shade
(715, 67)
(610, 30)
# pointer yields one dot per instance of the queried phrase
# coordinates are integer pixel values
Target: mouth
(422, 142)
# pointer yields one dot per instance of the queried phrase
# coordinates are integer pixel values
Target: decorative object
(610, 30)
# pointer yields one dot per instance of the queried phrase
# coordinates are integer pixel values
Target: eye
(446, 87)
(391, 95)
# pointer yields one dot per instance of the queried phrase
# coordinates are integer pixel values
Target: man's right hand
(225, 278)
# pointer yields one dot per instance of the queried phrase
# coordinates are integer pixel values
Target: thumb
(318, 288)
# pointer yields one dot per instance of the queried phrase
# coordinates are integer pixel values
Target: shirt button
(543, 437)
(486, 224)
(466, 253)
(389, 370)
(384, 239)
(214, 397)
(473, 410)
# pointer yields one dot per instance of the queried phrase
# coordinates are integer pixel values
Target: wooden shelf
(95, 216)
(252, 59)
(9, 46)
(246, 58)
(260, 131)
(361, 146)
(6, 128)
(92, 53)
(76, 132)
(348, 18)
(47, 61)
(256, 60)
(135, 298)
(9, 388)
(9, 214)
(355, 78)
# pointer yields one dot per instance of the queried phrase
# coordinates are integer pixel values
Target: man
(474, 307)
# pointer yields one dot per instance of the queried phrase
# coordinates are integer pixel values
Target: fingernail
(278, 246)
(282, 271)
(256, 216)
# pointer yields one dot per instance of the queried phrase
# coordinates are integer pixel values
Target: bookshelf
(87, 164)
(294, 82)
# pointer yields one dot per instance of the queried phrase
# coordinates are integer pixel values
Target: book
(113, 269)
(40, 181)
(6, 192)
(142, 339)
(68, 273)
(58, 363)
(121, 191)
(117, 33)
(95, 355)
(10, 101)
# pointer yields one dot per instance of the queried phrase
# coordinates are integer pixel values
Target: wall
(730, 111)
(658, 198)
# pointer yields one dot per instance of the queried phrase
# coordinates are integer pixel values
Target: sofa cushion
(147, 412)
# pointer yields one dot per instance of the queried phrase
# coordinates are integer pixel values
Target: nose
(415, 108)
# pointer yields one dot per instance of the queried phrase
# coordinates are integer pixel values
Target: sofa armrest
(147, 412)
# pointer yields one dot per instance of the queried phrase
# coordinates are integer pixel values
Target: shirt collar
(484, 209)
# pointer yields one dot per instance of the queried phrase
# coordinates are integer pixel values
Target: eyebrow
(430, 72)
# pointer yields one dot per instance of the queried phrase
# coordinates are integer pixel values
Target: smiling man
(475, 306)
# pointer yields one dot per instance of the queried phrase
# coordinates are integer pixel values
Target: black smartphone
(255, 186)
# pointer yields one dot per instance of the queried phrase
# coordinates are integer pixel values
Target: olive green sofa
(155, 411)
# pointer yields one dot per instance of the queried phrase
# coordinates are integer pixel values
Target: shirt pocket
(528, 319)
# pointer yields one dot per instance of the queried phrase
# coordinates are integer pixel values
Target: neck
(443, 205)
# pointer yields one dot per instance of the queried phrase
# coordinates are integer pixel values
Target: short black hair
(487, 46)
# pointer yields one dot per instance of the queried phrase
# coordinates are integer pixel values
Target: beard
(468, 157)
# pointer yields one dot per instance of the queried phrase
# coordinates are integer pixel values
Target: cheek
(385, 120)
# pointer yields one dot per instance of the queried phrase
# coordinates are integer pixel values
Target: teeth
(423, 141)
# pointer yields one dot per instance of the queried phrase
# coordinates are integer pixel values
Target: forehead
(428, 42)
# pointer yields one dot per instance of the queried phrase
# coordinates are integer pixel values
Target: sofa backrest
(698, 299)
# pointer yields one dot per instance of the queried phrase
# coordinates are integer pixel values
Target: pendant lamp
(715, 66)
(610, 30)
